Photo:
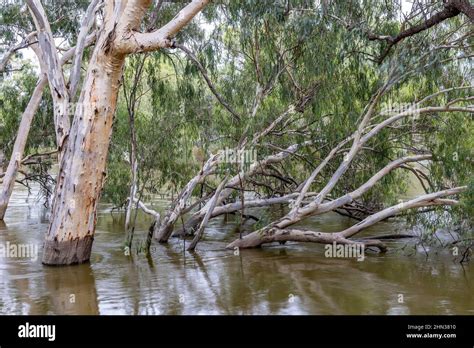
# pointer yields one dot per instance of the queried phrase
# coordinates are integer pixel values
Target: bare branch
(80, 45)
(206, 218)
(451, 9)
(49, 57)
(23, 44)
(421, 201)
(174, 213)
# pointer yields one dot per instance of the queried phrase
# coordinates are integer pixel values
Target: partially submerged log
(278, 231)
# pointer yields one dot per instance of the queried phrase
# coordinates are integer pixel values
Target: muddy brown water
(280, 279)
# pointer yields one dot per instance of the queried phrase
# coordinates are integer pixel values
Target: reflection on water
(289, 279)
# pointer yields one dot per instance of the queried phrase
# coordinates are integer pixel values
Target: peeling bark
(24, 129)
(82, 168)
(57, 85)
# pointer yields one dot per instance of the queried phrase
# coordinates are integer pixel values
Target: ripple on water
(290, 279)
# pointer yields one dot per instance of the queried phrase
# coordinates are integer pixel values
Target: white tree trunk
(25, 125)
(19, 146)
(82, 170)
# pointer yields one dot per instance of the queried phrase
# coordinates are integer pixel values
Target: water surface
(289, 279)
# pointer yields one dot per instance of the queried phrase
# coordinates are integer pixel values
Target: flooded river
(279, 279)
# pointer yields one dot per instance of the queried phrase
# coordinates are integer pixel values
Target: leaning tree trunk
(82, 170)
(19, 146)
(24, 128)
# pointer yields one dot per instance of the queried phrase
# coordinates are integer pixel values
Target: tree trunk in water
(25, 125)
(82, 169)
(134, 170)
(19, 146)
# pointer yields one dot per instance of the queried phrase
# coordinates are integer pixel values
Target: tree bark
(49, 57)
(166, 227)
(24, 128)
(134, 175)
(6, 57)
(19, 146)
(82, 168)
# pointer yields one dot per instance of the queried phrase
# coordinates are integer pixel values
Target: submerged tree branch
(206, 218)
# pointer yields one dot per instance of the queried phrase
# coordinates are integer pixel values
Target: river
(280, 279)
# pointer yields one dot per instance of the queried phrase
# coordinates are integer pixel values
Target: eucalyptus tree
(317, 89)
(354, 67)
(404, 141)
(84, 144)
(15, 24)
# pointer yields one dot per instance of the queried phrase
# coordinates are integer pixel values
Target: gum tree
(85, 145)
(360, 142)
(314, 87)
(15, 24)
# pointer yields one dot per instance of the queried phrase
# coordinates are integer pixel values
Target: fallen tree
(305, 202)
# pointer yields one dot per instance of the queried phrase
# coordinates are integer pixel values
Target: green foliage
(266, 56)
(15, 93)
(250, 45)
